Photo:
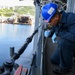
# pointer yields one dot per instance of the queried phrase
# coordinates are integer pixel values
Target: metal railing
(9, 64)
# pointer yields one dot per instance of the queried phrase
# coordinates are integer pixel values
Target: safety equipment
(47, 33)
(48, 11)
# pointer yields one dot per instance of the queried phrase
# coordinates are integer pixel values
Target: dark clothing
(66, 29)
(63, 55)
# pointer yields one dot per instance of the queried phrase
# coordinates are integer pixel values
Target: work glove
(47, 33)
(54, 40)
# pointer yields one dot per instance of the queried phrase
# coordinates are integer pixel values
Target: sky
(16, 3)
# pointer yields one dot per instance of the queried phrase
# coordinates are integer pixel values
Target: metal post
(70, 5)
(37, 17)
(11, 51)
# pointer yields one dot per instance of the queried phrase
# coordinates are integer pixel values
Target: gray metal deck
(50, 47)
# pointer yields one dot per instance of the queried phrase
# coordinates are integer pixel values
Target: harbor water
(13, 35)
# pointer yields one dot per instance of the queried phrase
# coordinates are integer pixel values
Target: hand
(54, 38)
(47, 33)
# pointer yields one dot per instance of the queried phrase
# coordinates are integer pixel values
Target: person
(63, 25)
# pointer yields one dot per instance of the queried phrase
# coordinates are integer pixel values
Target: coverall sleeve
(70, 34)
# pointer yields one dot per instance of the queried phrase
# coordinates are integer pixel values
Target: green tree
(20, 10)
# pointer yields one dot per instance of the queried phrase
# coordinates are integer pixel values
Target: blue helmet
(48, 11)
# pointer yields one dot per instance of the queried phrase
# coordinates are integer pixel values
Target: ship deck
(50, 47)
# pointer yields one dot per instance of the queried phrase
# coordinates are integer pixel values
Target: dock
(50, 47)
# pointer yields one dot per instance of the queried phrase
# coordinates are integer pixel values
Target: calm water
(14, 36)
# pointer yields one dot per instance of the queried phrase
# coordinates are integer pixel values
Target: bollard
(11, 51)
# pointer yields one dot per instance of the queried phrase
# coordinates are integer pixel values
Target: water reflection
(13, 36)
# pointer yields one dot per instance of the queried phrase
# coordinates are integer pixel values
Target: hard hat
(48, 11)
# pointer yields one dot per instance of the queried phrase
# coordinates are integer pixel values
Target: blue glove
(47, 33)
(54, 38)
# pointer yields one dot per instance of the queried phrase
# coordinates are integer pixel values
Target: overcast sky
(16, 3)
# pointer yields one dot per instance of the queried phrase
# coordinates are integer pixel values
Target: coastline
(29, 20)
